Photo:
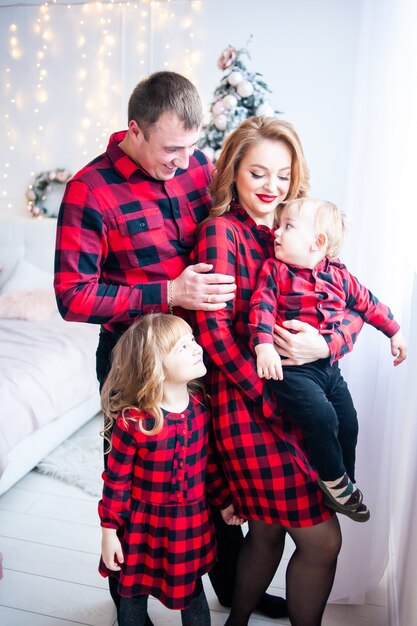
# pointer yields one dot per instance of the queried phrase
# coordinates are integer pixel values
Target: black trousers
(317, 399)
(229, 538)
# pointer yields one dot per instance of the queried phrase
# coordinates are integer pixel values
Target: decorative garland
(43, 184)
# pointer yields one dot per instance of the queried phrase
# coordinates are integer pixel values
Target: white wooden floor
(50, 540)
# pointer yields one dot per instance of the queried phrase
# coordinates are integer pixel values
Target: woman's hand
(229, 517)
(111, 549)
(304, 346)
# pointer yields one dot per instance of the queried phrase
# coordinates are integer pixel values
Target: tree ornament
(265, 109)
(229, 102)
(239, 95)
(235, 78)
(218, 107)
(245, 89)
(220, 122)
(227, 58)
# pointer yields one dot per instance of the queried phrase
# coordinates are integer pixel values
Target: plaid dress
(154, 495)
(267, 471)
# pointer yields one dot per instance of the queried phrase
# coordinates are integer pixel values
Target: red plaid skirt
(166, 548)
(268, 474)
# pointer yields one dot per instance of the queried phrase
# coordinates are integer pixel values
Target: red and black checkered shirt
(318, 296)
(122, 235)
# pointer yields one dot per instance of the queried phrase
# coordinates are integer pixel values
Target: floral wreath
(42, 185)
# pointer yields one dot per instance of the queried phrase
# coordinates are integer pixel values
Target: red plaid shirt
(122, 235)
(321, 297)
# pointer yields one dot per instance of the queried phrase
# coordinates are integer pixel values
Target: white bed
(48, 387)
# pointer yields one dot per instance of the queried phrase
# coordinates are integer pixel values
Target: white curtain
(381, 251)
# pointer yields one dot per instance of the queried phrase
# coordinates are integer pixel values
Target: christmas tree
(239, 95)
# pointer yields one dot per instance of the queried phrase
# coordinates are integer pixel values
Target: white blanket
(46, 368)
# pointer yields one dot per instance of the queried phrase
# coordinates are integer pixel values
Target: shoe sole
(332, 499)
(357, 516)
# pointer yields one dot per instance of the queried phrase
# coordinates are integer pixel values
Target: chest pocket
(144, 237)
(132, 224)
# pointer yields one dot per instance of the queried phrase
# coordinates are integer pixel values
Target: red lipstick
(265, 198)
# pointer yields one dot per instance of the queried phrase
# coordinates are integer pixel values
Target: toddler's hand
(229, 517)
(268, 362)
(398, 348)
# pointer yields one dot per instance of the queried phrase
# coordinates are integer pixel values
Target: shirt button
(142, 224)
(184, 432)
(181, 463)
(182, 415)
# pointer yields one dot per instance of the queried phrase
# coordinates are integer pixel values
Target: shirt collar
(122, 162)
(241, 214)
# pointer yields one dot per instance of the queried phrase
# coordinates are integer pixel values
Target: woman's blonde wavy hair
(135, 380)
(237, 144)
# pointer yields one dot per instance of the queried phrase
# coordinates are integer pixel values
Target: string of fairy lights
(94, 35)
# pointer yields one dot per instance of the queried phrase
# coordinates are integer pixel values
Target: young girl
(157, 534)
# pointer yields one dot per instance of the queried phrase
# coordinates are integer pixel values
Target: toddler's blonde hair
(330, 220)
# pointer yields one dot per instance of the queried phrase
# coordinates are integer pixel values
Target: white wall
(306, 50)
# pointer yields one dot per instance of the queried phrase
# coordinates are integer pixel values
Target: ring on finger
(209, 298)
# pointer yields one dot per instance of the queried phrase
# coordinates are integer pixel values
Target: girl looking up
(157, 534)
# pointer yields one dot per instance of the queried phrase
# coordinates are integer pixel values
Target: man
(125, 230)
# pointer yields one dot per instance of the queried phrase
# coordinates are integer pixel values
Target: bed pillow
(38, 305)
(27, 277)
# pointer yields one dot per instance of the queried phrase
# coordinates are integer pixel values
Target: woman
(261, 165)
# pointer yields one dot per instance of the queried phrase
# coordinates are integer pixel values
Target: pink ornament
(245, 89)
(226, 58)
(234, 78)
(220, 122)
(265, 109)
(217, 107)
(229, 102)
(62, 177)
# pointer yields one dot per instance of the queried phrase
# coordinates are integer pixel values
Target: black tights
(134, 611)
(310, 571)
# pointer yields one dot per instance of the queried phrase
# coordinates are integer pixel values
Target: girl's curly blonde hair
(135, 381)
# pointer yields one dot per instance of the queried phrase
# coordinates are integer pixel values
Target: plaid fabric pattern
(154, 494)
(266, 469)
(122, 235)
(322, 297)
